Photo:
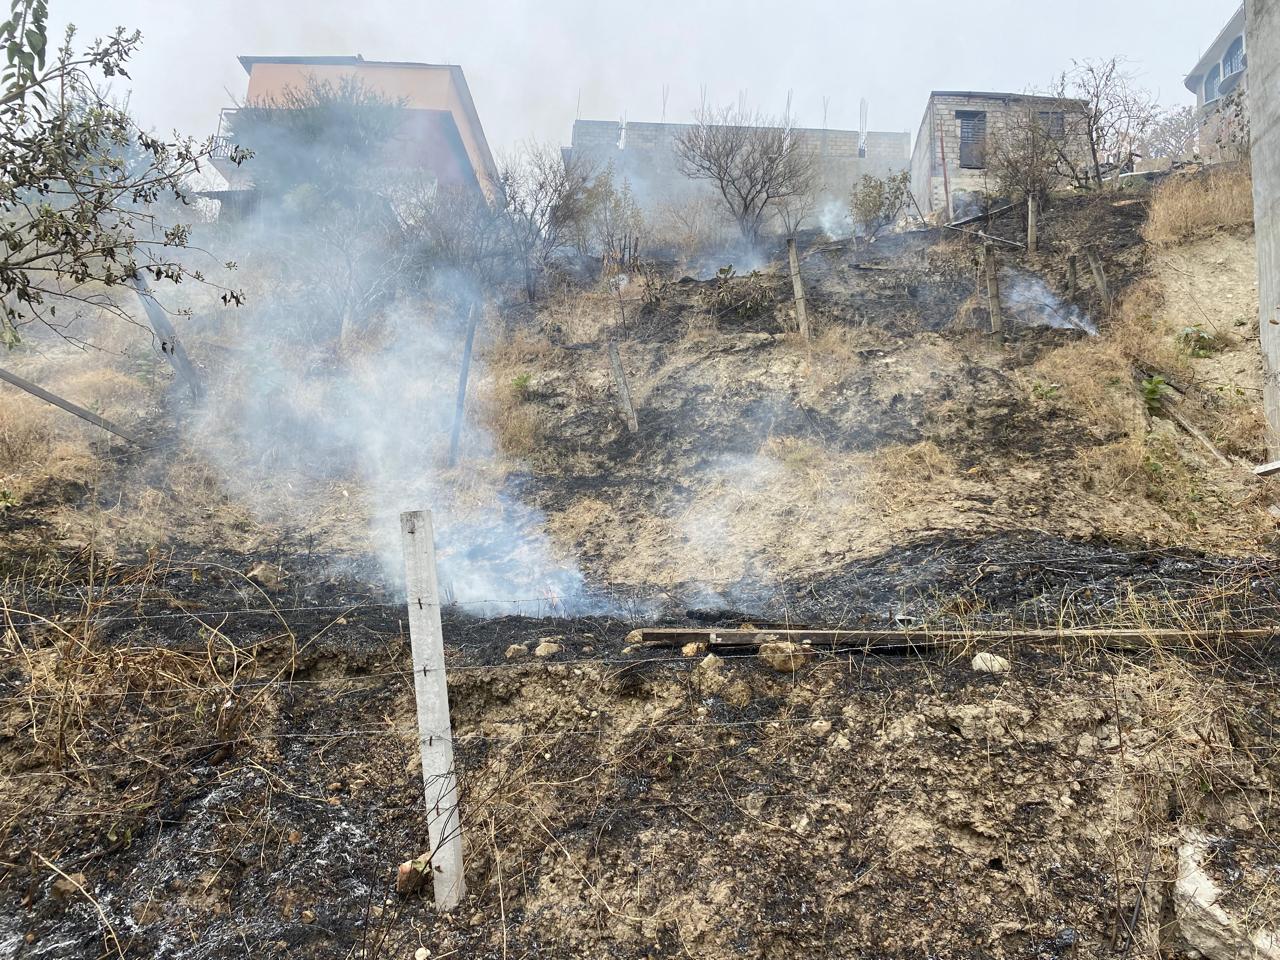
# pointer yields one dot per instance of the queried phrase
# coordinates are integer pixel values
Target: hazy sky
(529, 61)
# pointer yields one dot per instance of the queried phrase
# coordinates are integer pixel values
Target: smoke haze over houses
(533, 66)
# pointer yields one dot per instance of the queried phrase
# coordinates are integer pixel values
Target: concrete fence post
(624, 391)
(431, 692)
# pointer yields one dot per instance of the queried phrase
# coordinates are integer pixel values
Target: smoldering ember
(769, 483)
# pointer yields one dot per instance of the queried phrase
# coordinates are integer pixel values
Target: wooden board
(906, 641)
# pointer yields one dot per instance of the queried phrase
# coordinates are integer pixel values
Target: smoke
(834, 220)
(333, 407)
(1027, 297)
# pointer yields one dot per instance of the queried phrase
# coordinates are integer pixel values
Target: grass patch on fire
(1187, 206)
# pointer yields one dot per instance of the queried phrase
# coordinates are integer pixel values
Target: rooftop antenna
(666, 89)
(862, 127)
(578, 111)
(826, 106)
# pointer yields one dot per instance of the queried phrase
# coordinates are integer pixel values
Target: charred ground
(208, 730)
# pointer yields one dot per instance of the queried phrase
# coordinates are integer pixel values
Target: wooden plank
(982, 216)
(67, 405)
(928, 639)
(1195, 432)
(431, 695)
(1267, 469)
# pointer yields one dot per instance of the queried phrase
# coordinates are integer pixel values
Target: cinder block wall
(645, 154)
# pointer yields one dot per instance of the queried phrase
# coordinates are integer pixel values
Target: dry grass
(26, 433)
(1098, 377)
(1239, 429)
(833, 355)
(905, 473)
(583, 316)
(1184, 207)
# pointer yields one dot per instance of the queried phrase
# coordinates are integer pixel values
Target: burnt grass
(242, 780)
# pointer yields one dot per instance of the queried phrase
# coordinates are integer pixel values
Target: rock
(411, 873)
(1206, 926)
(990, 663)
(821, 727)
(547, 648)
(517, 650)
(266, 575)
(69, 887)
(783, 655)
(692, 649)
(840, 742)
(421, 953)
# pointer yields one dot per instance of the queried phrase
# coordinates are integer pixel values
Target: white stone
(990, 663)
(1205, 925)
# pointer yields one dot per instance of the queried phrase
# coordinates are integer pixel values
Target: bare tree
(546, 199)
(1112, 117)
(755, 162)
(459, 245)
(1026, 159)
(1174, 133)
(793, 212)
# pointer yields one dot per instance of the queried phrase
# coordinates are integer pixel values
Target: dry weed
(909, 472)
(1184, 207)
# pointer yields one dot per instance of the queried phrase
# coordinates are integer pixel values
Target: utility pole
(1263, 43)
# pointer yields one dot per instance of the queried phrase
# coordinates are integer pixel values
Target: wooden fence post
(797, 288)
(431, 692)
(1072, 282)
(1033, 214)
(624, 392)
(1100, 278)
(993, 290)
(460, 406)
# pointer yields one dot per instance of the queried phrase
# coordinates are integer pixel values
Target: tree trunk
(530, 287)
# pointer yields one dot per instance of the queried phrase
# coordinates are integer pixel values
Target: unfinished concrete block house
(441, 133)
(949, 165)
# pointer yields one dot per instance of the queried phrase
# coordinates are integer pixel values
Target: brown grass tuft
(1186, 206)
